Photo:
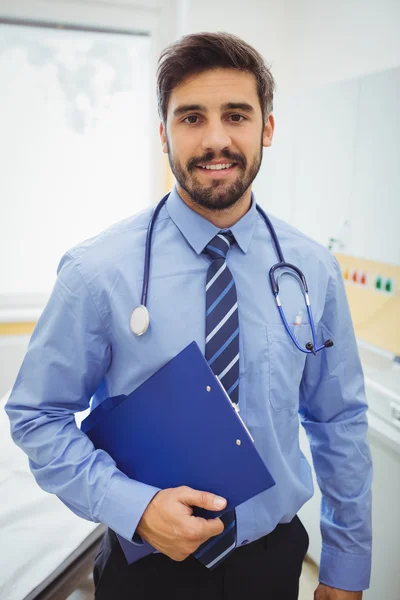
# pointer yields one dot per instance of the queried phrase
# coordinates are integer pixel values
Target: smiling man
(211, 256)
(216, 114)
(214, 125)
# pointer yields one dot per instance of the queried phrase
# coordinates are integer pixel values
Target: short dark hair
(199, 52)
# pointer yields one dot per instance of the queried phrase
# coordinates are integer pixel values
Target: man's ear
(163, 138)
(268, 132)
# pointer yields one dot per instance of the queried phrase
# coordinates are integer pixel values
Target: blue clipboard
(180, 428)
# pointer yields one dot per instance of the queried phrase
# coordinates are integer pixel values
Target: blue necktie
(222, 354)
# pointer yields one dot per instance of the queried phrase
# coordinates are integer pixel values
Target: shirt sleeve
(333, 412)
(67, 358)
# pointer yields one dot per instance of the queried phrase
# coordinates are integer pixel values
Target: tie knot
(219, 245)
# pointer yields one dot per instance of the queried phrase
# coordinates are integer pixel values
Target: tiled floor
(308, 583)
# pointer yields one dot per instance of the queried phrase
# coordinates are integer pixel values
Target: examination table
(45, 550)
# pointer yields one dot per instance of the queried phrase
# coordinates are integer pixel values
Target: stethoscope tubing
(146, 272)
(282, 264)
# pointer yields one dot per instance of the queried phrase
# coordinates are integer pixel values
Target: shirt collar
(199, 231)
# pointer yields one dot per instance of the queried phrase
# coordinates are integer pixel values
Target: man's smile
(217, 170)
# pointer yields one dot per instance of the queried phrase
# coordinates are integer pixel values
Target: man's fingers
(213, 527)
(201, 529)
(201, 499)
(168, 523)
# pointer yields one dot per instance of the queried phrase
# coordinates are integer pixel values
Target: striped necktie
(222, 354)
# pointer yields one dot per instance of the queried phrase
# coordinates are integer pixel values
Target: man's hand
(169, 526)
(324, 592)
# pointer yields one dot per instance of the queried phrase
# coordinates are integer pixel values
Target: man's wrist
(326, 592)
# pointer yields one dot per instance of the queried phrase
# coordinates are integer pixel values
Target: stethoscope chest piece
(140, 320)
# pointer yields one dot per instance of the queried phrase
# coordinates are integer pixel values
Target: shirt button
(244, 542)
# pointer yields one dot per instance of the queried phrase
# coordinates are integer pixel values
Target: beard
(218, 195)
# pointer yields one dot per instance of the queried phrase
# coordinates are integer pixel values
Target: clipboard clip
(236, 408)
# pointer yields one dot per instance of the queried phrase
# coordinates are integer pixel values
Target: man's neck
(223, 219)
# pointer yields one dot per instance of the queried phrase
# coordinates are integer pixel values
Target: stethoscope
(140, 318)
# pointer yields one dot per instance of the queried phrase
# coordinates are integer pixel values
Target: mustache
(209, 156)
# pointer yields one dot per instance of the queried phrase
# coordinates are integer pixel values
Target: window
(75, 143)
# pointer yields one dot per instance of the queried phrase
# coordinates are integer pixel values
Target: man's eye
(237, 118)
(191, 119)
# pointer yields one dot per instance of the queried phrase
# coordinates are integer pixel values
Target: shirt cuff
(344, 571)
(124, 504)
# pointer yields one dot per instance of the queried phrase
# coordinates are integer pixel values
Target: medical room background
(79, 150)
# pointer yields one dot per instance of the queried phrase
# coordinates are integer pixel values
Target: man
(211, 255)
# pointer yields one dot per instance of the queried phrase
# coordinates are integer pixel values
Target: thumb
(202, 499)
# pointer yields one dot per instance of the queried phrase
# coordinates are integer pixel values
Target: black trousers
(267, 569)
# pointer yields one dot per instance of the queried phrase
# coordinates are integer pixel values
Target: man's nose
(215, 137)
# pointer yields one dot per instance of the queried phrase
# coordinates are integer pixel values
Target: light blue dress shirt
(82, 347)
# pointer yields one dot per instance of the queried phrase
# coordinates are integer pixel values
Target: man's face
(214, 136)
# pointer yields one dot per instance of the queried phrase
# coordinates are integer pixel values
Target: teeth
(217, 167)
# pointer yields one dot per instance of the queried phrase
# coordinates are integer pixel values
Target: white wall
(259, 22)
(331, 41)
(336, 141)
(308, 42)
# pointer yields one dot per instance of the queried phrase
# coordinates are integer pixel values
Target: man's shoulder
(289, 233)
(116, 235)
(126, 237)
(297, 246)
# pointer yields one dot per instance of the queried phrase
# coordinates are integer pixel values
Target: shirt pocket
(286, 365)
